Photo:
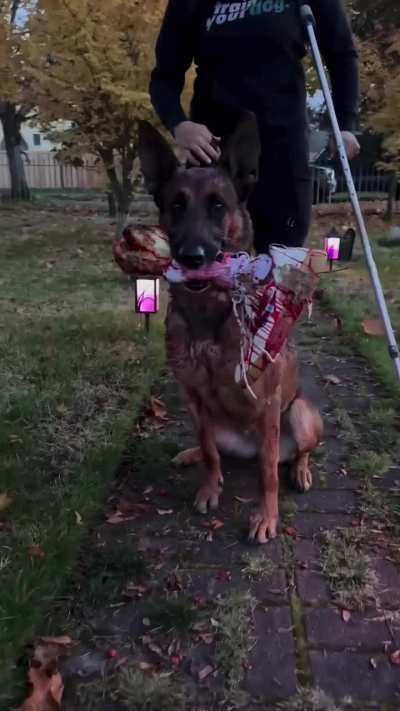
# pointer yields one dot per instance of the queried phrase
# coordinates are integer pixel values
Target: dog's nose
(192, 257)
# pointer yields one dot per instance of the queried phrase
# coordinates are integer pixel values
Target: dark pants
(280, 206)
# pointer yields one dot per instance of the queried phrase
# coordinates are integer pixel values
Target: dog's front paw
(262, 525)
(207, 498)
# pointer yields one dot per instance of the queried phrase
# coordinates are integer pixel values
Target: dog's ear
(241, 155)
(157, 159)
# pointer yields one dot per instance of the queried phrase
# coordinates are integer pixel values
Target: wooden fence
(44, 171)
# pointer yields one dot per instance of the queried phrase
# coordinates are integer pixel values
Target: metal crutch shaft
(308, 19)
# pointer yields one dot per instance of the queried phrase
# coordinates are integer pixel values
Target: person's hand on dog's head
(199, 146)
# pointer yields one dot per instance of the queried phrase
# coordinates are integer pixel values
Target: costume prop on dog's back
(249, 56)
(269, 293)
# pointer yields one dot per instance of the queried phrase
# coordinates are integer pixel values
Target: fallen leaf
(339, 324)
(372, 663)
(395, 658)
(118, 517)
(135, 590)
(373, 328)
(35, 551)
(205, 672)
(5, 501)
(158, 409)
(146, 622)
(63, 640)
(145, 666)
(148, 490)
(332, 379)
(200, 600)
(61, 409)
(346, 614)
(243, 501)
(215, 524)
(290, 531)
(78, 518)
(165, 512)
(207, 637)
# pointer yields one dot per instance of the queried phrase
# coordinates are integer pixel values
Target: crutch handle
(307, 15)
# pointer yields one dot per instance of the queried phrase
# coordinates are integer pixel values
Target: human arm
(338, 50)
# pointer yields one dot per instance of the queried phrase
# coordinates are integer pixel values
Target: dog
(203, 211)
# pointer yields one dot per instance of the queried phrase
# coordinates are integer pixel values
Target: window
(37, 139)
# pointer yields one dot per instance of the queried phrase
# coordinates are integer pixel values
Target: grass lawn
(75, 366)
(350, 294)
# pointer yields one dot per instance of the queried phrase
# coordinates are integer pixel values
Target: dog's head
(203, 210)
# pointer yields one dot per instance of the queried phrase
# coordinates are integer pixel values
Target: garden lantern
(147, 297)
(332, 249)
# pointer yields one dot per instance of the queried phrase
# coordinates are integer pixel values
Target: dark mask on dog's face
(202, 209)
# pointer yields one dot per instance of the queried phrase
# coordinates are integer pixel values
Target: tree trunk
(11, 123)
(391, 196)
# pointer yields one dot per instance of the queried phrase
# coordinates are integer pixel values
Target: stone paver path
(267, 621)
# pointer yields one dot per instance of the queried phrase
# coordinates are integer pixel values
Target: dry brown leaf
(215, 524)
(395, 658)
(346, 614)
(207, 637)
(5, 501)
(332, 379)
(158, 409)
(373, 327)
(145, 666)
(243, 501)
(205, 672)
(63, 640)
(36, 551)
(165, 512)
(118, 517)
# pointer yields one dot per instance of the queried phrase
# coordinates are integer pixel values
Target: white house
(34, 139)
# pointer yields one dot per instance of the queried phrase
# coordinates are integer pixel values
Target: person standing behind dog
(249, 56)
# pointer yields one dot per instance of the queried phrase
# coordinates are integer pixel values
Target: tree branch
(14, 9)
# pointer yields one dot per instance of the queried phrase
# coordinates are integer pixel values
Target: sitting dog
(203, 211)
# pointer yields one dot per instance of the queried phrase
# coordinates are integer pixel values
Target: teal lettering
(279, 5)
(256, 9)
(268, 6)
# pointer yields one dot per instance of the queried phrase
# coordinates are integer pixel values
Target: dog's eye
(179, 203)
(216, 203)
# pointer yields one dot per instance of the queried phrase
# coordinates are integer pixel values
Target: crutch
(308, 19)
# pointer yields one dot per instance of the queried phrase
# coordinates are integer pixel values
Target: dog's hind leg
(306, 429)
(188, 457)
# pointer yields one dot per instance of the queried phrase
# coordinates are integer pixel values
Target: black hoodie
(249, 55)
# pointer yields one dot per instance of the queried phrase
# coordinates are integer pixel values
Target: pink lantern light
(332, 248)
(147, 296)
